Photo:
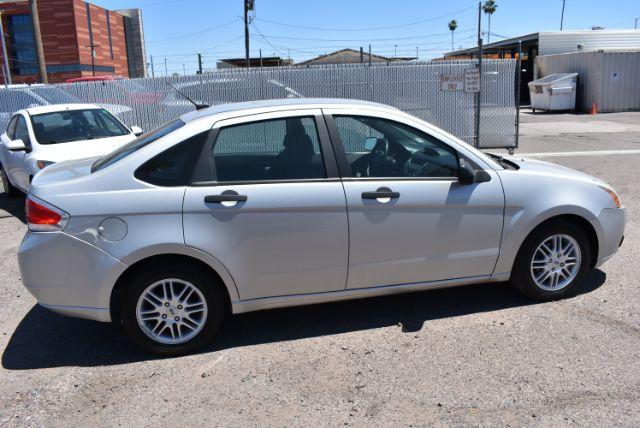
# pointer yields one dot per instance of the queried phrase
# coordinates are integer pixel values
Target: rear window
(135, 145)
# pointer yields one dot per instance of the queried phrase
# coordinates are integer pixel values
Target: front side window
(280, 149)
(21, 132)
(75, 125)
(381, 148)
(135, 145)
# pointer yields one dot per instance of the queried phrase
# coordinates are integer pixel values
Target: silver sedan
(251, 206)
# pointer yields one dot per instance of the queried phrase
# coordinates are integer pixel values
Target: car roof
(280, 104)
(50, 108)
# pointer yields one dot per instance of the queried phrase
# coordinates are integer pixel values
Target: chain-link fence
(414, 87)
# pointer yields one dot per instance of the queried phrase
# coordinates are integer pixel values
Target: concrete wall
(136, 53)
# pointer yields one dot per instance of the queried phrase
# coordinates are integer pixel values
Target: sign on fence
(471, 80)
(451, 82)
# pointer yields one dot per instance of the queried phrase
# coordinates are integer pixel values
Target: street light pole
(7, 70)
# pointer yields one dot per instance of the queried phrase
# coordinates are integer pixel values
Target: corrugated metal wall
(610, 79)
(558, 42)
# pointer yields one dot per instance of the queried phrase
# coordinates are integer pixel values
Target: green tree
(452, 27)
(489, 7)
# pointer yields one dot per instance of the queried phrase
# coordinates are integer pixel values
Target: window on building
(23, 52)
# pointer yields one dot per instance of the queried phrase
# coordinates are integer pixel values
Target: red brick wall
(65, 37)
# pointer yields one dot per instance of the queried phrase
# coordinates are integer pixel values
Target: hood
(536, 166)
(81, 149)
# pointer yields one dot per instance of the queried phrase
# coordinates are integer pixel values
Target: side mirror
(468, 175)
(16, 145)
(370, 143)
(137, 130)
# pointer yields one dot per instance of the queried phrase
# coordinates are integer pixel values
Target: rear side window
(280, 149)
(175, 166)
(135, 145)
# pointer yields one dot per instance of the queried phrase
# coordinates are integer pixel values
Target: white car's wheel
(8, 188)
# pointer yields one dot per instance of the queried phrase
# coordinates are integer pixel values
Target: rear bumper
(609, 226)
(68, 275)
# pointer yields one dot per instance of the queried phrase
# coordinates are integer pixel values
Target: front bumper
(68, 275)
(609, 226)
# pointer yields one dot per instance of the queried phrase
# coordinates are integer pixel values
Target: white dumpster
(554, 92)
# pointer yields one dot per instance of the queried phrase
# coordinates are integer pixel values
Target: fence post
(518, 83)
(478, 94)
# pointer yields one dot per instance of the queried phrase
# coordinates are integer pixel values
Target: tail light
(44, 217)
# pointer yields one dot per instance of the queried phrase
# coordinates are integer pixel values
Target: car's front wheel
(553, 261)
(8, 188)
(172, 310)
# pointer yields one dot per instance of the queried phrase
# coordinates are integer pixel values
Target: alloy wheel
(556, 262)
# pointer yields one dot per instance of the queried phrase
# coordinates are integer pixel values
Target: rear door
(410, 220)
(269, 205)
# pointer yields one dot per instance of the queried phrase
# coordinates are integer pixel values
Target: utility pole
(248, 5)
(369, 54)
(199, 63)
(635, 27)
(562, 15)
(417, 53)
(7, 70)
(477, 124)
(166, 72)
(153, 71)
(395, 51)
(37, 38)
(184, 70)
(260, 50)
(93, 57)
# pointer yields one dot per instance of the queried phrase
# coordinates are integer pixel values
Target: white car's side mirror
(16, 145)
(136, 130)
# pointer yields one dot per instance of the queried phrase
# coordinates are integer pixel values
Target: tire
(193, 326)
(8, 188)
(536, 281)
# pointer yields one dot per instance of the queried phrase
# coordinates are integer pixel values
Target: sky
(176, 30)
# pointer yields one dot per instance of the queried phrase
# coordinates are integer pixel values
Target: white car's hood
(81, 149)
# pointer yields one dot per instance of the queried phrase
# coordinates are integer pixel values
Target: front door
(273, 210)
(410, 220)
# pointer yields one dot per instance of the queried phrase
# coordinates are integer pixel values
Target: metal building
(610, 79)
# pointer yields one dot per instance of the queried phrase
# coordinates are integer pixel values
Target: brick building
(69, 28)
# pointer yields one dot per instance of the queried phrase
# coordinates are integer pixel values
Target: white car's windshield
(74, 125)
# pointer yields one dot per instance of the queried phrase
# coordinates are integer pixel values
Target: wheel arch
(579, 220)
(198, 261)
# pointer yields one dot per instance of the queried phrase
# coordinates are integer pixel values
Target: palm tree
(452, 27)
(489, 7)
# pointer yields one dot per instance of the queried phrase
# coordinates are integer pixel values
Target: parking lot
(463, 356)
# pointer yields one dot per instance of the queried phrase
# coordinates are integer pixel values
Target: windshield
(75, 125)
(135, 145)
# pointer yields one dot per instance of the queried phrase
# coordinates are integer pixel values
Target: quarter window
(175, 166)
(381, 148)
(281, 149)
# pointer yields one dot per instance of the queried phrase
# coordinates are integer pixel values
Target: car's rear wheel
(8, 188)
(553, 261)
(172, 310)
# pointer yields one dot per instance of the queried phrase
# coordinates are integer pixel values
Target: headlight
(614, 196)
(41, 164)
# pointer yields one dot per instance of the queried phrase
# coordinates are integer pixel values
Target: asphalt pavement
(475, 355)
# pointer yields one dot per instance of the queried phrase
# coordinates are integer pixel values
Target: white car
(39, 136)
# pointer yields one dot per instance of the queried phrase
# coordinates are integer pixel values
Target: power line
(364, 39)
(204, 30)
(370, 28)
